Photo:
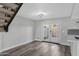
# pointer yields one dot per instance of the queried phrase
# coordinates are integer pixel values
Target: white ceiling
(49, 10)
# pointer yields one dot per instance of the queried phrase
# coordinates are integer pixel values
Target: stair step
(10, 5)
(1, 20)
(6, 11)
(2, 29)
(3, 23)
(4, 17)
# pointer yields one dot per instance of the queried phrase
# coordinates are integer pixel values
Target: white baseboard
(63, 43)
(15, 46)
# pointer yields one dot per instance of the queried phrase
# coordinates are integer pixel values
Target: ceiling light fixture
(41, 14)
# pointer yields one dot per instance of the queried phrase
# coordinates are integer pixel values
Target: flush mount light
(40, 14)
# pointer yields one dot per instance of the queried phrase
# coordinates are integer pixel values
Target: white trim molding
(15, 46)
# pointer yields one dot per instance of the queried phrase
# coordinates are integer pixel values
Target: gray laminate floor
(37, 48)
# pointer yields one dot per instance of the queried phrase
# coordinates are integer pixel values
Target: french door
(51, 32)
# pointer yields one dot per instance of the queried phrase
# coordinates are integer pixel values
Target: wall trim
(63, 43)
(15, 46)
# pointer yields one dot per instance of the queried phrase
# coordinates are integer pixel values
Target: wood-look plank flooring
(37, 48)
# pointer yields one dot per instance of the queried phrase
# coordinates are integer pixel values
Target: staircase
(7, 12)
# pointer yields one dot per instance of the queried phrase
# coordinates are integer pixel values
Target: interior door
(46, 32)
(51, 33)
(55, 33)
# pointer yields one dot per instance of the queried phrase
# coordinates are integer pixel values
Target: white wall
(65, 24)
(0, 41)
(39, 27)
(20, 31)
